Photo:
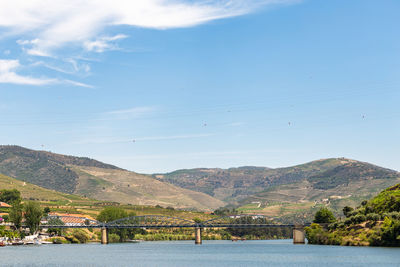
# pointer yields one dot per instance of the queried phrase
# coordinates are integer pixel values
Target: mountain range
(278, 192)
(94, 179)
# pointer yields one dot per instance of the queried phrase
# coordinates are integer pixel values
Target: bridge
(160, 221)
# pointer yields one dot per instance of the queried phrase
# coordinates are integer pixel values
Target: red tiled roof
(4, 205)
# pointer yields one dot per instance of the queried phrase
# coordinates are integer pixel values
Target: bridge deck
(171, 226)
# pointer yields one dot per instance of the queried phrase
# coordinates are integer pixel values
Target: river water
(211, 253)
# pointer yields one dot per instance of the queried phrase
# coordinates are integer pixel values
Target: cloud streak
(104, 43)
(46, 26)
(130, 113)
(8, 74)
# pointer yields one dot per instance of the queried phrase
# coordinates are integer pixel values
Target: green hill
(292, 193)
(375, 222)
(94, 179)
(237, 184)
(37, 193)
(350, 172)
(234, 184)
(43, 168)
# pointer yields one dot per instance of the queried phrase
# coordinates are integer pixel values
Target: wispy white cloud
(45, 26)
(70, 66)
(8, 74)
(48, 28)
(130, 113)
(137, 111)
(75, 83)
(104, 43)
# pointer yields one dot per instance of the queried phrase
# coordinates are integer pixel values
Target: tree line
(30, 211)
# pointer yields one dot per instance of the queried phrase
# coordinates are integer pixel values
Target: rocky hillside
(281, 192)
(43, 168)
(91, 178)
(235, 184)
(37, 193)
(293, 193)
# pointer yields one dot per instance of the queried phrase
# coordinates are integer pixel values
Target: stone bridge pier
(104, 235)
(298, 234)
(197, 234)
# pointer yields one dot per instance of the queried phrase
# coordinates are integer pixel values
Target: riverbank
(375, 223)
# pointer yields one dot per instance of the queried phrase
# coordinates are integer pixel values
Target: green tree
(197, 220)
(110, 214)
(324, 215)
(347, 210)
(46, 210)
(80, 235)
(55, 221)
(10, 196)
(33, 214)
(16, 214)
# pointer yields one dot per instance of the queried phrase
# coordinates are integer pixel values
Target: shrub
(315, 234)
(359, 218)
(361, 211)
(393, 215)
(373, 217)
(341, 225)
(58, 240)
(348, 221)
(333, 226)
(324, 216)
(346, 210)
(113, 238)
(80, 235)
(353, 213)
(388, 235)
(369, 209)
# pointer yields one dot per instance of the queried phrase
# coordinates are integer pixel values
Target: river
(211, 253)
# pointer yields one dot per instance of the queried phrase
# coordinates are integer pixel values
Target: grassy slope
(43, 168)
(234, 184)
(129, 187)
(299, 201)
(45, 196)
(376, 223)
(88, 177)
(73, 204)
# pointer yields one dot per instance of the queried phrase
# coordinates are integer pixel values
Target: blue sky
(167, 85)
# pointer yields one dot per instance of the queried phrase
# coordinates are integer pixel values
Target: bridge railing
(242, 220)
(160, 221)
(150, 221)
